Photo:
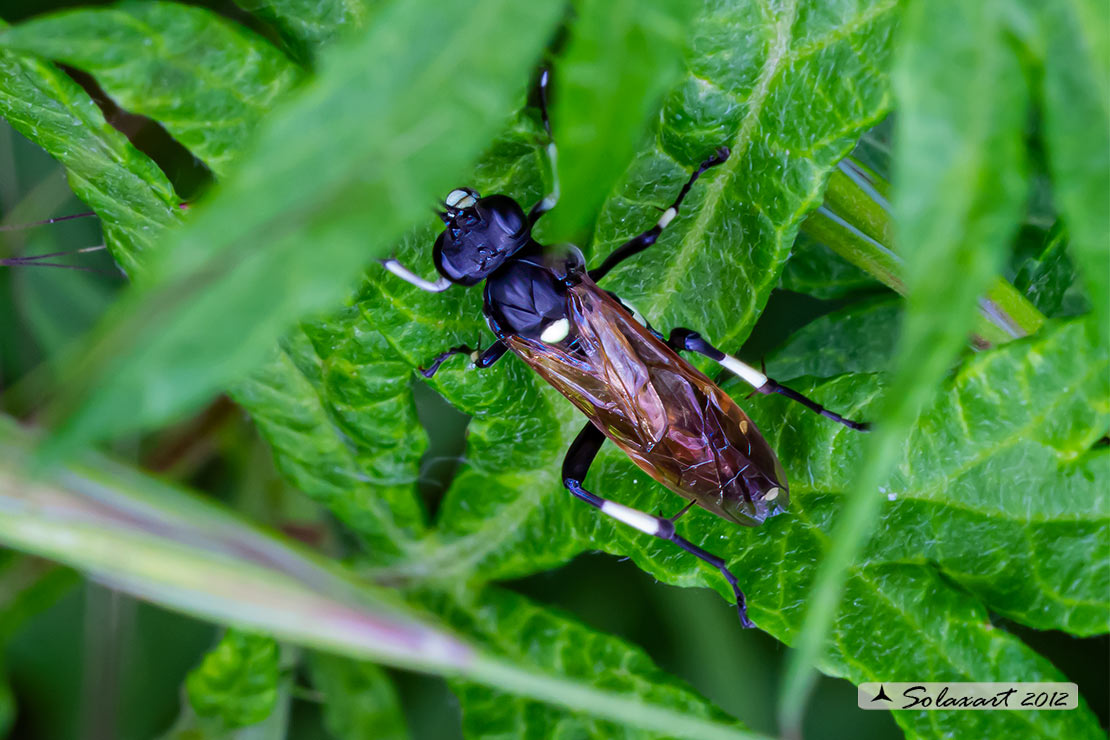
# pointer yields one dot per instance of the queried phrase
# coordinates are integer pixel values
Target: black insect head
(481, 234)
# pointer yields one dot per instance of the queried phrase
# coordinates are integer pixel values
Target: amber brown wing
(672, 420)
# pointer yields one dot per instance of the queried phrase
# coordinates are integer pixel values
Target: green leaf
(28, 586)
(858, 338)
(309, 24)
(530, 635)
(1046, 274)
(1075, 50)
(1039, 399)
(237, 682)
(359, 699)
(275, 725)
(479, 523)
(997, 485)
(8, 708)
(507, 513)
(959, 487)
(997, 504)
(958, 198)
(788, 89)
(141, 536)
(282, 238)
(206, 80)
(126, 189)
(336, 406)
(874, 149)
(621, 58)
(329, 403)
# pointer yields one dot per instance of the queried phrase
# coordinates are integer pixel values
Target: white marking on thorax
(556, 331)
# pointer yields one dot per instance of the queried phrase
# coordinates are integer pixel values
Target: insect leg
(412, 278)
(686, 339)
(491, 355)
(575, 465)
(643, 241)
(551, 198)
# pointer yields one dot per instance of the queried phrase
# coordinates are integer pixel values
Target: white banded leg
(687, 339)
(637, 244)
(575, 466)
(480, 359)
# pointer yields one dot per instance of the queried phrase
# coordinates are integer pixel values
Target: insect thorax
(527, 296)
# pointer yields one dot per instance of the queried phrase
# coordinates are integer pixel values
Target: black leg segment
(551, 198)
(687, 339)
(577, 462)
(643, 241)
(774, 387)
(491, 355)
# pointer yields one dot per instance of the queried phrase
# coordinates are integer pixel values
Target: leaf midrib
(693, 238)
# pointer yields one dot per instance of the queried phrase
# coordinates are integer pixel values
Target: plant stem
(855, 223)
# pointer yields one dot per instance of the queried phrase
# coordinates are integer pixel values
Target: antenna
(35, 260)
(45, 222)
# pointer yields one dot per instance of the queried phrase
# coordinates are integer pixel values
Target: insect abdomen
(672, 420)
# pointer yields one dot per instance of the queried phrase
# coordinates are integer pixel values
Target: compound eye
(504, 214)
(460, 198)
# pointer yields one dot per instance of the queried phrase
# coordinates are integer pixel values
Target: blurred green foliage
(328, 129)
(237, 682)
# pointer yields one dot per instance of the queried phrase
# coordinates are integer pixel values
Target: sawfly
(629, 380)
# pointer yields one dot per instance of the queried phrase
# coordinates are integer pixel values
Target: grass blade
(1076, 89)
(622, 56)
(957, 202)
(148, 539)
